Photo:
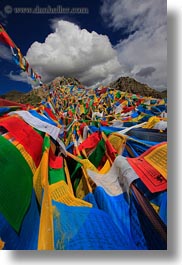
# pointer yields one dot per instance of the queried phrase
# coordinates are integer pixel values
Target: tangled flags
(86, 169)
(17, 56)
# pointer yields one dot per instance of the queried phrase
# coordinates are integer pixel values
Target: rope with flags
(84, 185)
(17, 56)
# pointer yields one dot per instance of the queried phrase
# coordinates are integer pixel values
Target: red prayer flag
(51, 115)
(111, 150)
(90, 142)
(150, 176)
(4, 37)
(55, 162)
(25, 135)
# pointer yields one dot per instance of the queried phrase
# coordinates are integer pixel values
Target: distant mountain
(35, 96)
(126, 84)
(130, 85)
(68, 81)
(164, 94)
(12, 95)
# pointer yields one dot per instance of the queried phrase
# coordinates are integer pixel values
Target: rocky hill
(35, 96)
(68, 81)
(130, 85)
(126, 84)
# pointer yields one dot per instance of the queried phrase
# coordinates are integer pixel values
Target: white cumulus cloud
(144, 24)
(22, 77)
(72, 51)
(5, 52)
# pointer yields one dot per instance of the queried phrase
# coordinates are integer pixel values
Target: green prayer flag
(56, 175)
(96, 157)
(16, 184)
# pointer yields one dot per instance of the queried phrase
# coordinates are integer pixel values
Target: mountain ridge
(130, 85)
(126, 84)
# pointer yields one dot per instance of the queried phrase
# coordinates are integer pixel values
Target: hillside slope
(130, 85)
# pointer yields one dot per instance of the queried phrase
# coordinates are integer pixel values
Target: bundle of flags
(71, 182)
(17, 56)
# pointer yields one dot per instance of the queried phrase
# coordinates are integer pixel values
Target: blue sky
(114, 38)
